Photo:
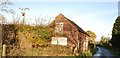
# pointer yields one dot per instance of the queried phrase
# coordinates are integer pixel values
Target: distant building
(69, 34)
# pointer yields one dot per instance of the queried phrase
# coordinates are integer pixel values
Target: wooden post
(4, 50)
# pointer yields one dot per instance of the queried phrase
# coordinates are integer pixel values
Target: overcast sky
(98, 17)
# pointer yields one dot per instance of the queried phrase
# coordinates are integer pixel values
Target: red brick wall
(82, 37)
(69, 30)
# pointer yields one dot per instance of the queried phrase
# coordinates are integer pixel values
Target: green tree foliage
(105, 42)
(92, 35)
(105, 39)
(92, 39)
(116, 33)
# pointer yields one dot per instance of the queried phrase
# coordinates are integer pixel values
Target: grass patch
(51, 50)
(88, 53)
(114, 51)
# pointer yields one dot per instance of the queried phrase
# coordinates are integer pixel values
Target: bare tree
(4, 8)
(4, 4)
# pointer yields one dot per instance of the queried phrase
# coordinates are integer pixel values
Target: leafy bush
(88, 53)
(40, 35)
(44, 33)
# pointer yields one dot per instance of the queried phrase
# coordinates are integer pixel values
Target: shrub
(44, 33)
(88, 53)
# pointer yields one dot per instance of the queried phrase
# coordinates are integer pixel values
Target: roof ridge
(60, 15)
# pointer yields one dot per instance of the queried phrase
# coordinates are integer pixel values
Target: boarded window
(59, 28)
(85, 45)
(59, 41)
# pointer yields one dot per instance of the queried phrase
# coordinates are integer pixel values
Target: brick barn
(69, 34)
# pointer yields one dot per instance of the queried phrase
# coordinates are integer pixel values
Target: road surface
(103, 53)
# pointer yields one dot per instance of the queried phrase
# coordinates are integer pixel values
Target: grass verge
(114, 51)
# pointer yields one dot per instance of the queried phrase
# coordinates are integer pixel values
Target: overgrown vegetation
(92, 48)
(92, 45)
(17, 35)
(51, 50)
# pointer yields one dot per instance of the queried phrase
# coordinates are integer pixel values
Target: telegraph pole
(23, 12)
